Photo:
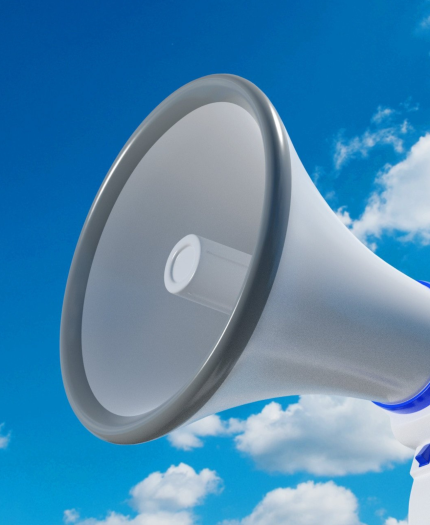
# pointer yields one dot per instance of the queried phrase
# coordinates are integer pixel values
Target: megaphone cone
(211, 273)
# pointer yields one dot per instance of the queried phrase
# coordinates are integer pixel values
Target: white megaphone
(211, 273)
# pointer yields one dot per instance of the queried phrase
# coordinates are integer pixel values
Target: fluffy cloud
(162, 498)
(178, 488)
(344, 216)
(307, 504)
(401, 202)
(189, 437)
(70, 516)
(169, 499)
(382, 114)
(381, 133)
(322, 435)
(4, 438)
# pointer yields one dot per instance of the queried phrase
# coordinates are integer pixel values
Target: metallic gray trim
(182, 406)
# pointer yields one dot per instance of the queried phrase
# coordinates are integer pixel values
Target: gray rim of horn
(185, 403)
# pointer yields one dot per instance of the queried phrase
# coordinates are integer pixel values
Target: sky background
(350, 79)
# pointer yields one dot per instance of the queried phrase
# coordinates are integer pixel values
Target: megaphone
(210, 273)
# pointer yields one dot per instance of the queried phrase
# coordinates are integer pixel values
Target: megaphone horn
(210, 273)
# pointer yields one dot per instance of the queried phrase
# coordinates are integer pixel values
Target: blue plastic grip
(423, 456)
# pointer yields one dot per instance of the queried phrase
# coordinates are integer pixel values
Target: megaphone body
(211, 273)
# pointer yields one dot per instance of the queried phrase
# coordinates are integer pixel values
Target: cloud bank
(321, 435)
(400, 204)
(307, 504)
(162, 498)
(169, 499)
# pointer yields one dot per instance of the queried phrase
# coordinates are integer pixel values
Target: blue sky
(351, 83)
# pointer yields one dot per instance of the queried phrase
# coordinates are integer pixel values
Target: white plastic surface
(206, 272)
(413, 431)
(419, 503)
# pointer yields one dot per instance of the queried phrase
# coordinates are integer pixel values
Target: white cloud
(387, 128)
(393, 521)
(360, 146)
(401, 202)
(399, 205)
(344, 216)
(4, 438)
(164, 498)
(382, 114)
(307, 504)
(322, 435)
(178, 488)
(70, 516)
(188, 437)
